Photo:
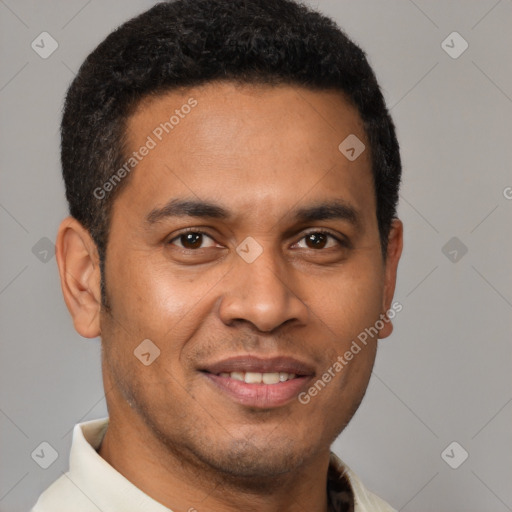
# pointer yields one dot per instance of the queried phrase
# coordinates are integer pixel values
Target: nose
(263, 293)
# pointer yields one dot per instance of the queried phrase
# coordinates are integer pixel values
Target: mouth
(259, 383)
(258, 377)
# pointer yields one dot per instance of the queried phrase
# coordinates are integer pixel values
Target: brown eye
(320, 240)
(316, 240)
(191, 240)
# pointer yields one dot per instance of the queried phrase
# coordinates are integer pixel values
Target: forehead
(256, 149)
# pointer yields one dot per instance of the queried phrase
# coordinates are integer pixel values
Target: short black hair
(186, 43)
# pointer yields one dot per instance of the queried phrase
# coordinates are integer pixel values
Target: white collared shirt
(93, 485)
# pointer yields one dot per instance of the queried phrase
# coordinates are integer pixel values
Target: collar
(109, 490)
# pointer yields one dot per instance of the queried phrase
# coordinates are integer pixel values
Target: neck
(179, 481)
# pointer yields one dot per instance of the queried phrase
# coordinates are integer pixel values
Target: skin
(260, 152)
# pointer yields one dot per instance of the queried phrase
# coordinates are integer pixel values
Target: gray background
(443, 376)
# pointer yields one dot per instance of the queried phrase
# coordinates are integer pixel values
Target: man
(232, 174)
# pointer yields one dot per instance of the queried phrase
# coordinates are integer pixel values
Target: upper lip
(261, 365)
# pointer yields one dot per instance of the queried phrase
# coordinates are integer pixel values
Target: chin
(247, 462)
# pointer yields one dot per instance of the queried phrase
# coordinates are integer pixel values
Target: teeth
(270, 378)
(259, 378)
(253, 377)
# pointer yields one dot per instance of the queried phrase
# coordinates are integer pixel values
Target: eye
(320, 240)
(192, 240)
(316, 240)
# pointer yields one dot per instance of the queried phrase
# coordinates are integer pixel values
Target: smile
(257, 382)
(259, 378)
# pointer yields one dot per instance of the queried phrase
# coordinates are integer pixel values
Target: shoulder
(63, 495)
(72, 490)
(364, 500)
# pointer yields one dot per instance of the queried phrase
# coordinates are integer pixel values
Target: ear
(79, 270)
(394, 251)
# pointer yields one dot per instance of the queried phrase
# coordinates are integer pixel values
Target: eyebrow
(325, 210)
(336, 209)
(187, 208)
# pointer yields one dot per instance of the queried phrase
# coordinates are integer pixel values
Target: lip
(261, 365)
(264, 396)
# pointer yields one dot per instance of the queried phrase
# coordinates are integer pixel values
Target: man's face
(260, 283)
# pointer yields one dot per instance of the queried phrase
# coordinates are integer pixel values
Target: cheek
(345, 307)
(348, 301)
(152, 300)
(147, 292)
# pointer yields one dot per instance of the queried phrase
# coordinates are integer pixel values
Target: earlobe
(394, 251)
(79, 270)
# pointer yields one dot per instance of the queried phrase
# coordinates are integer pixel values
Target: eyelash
(340, 241)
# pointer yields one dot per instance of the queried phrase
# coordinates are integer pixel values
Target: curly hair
(185, 43)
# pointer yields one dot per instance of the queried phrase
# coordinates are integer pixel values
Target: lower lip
(259, 395)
